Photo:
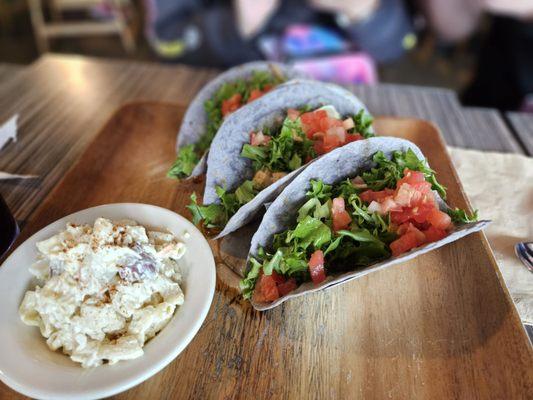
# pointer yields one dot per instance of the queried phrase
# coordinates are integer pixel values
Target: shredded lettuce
(363, 123)
(287, 150)
(213, 106)
(189, 156)
(289, 147)
(216, 216)
(388, 172)
(461, 217)
(212, 215)
(247, 284)
(364, 242)
(184, 163)
(245, 192)
(309, 231)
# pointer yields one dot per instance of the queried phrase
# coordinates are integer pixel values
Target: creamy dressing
(104, 290)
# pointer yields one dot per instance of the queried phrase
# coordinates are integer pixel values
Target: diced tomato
(417, 214)
(331, 142)
(330, 132)
(259, 139)
(338, 205)
(320, 114)
(421, 212)
(417, 204)
(311, 121)
(409, 227)
(310, 130)
(413, 190)
(420, 236)
(402, 229)
(316, 267)
(277, 277)
(287, 286)
(369, 195)
(351, 137)
(293, 114)
(313, 117)
(388, 204)
(423, 186)
(326, 123)
(414, 214)
(399, 217)
(266, 289)
(341, 218)
(267, 88)
(254, 95)
(433, 234)
(359, 183)
(411, 177)
(404, 243)
(337, 131)
(319, 136)
(406, 195)
(231, 104)
(427, 197)
(308, 118)
(318, 146)
(439, 219)
(410, 195)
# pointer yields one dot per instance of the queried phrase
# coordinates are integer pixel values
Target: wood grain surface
(439, 327)
(8, 72)
(63, 101)
(473, 128)
(489, 131)
(522, 124)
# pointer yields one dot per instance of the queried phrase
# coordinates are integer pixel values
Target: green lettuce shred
(188, 156)
(364, 242)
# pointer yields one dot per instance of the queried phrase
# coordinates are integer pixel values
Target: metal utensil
(524, 251)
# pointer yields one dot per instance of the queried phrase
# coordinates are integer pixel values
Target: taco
(363, 207)
(260, 148)
(226, 93)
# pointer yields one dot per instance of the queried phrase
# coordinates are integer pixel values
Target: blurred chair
(8, 9)
(116, 24)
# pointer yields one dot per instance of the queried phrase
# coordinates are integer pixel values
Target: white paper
(500, 186)
(8, 176)
(8, 131)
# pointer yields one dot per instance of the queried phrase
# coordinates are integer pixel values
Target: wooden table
(522, 125)
(63, 101)
(9, 72)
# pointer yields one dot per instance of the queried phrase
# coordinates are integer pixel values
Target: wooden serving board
(439, 327)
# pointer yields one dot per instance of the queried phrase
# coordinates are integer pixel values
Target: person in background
(223, 33)
(504, 73)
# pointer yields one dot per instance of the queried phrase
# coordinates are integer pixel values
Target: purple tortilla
(194, 121)
(226, 167)
(344, 162)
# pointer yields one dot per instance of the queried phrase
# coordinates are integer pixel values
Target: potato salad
(104, 290)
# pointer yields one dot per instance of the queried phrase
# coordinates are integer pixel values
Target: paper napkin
(8, 131)
(501, 187)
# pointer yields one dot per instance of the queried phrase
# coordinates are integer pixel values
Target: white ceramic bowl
(26, 363)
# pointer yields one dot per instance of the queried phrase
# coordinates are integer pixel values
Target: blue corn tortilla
(194, 122)
(225, 166)
(344, 162)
